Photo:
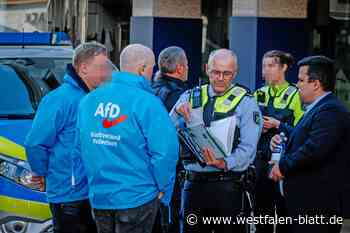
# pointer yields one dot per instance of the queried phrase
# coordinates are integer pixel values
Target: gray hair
(86, 51)
(135, 55)
(169, 58)
(222, 52)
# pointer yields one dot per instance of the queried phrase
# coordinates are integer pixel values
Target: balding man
(216, 189)
(129, 147)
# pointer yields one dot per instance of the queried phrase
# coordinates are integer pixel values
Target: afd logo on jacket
(110, 114)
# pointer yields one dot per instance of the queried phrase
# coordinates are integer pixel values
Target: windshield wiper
(17, 116)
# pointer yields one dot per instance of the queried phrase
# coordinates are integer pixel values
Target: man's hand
(160, 195)
(275, 174)
(275, 140)
(270, 123)
(38, 181)
(184, 110)
(212, 161)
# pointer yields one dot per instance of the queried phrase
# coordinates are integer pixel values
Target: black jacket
(168, 89)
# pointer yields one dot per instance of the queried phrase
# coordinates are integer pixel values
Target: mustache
(219, 81)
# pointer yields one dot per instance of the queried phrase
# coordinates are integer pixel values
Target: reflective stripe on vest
(277, 107)
(280, 102)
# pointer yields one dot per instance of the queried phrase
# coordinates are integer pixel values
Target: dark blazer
(315, 161)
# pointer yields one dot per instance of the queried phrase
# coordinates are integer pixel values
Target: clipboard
(191, 144)
(204, 139)
(196, 138)
(219, 137)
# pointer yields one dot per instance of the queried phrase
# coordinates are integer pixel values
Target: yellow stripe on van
(12, 149)
(24, 208)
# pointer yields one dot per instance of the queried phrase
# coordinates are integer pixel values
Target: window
(38, 67)
(15, 95)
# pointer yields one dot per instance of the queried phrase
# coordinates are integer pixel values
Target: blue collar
(70, 71)
(132, 80)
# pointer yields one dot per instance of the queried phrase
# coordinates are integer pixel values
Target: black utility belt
(213, 176)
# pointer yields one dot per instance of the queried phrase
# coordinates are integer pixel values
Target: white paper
(223, 132)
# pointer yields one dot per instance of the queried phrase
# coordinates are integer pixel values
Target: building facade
(23, 15)
(249, 27)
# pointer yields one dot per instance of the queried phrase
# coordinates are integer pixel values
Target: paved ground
(346, 226)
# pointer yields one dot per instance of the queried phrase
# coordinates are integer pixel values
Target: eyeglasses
(226, 74)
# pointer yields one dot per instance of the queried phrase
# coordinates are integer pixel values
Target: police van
(30, 67)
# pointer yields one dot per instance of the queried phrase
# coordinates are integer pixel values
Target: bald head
(222, 54)
(222, 69)
(137, 59)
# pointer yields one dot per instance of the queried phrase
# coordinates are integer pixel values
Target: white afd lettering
(109, 110)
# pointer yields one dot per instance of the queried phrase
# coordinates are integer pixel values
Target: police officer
(169, 83)
(280, 104)
(215, 190)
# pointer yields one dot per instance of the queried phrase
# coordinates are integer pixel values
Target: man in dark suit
(313, 166)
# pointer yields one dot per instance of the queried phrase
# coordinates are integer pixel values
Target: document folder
(218, 137)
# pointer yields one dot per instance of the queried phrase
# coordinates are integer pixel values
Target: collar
(312, 105)
(172, 81)
(133, 80)
(277, 90)
(76, 80)
(212, 93)
(178, 82)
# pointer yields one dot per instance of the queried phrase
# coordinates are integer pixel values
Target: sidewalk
(346, 226)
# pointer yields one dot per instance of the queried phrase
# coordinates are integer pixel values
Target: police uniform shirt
(250, 124)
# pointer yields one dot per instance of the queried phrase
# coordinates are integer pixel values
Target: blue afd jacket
(129, 144)
(51, 140)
